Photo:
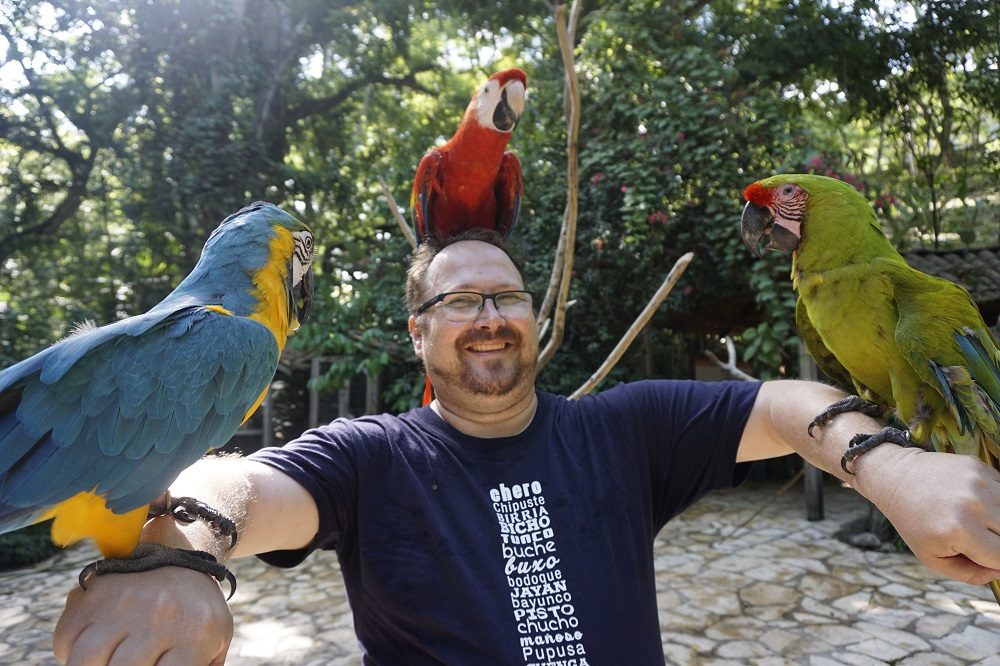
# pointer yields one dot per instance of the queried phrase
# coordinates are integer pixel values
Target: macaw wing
(824, 358)
(54, 361)
(132, 412)
(953, 353)
(508, 189)
(426, 186)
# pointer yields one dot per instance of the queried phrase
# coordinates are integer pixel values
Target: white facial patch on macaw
(491, 95)
(793, 226)
(303, 257)
(788, 209)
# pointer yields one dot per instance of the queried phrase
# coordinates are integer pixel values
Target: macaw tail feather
(955, 384)
(982, 365)
(428, 392)
(15, 517)
(85, 516)
(995, 586)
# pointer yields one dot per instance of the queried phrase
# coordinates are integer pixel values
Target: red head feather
(509, 74)
(758, 195)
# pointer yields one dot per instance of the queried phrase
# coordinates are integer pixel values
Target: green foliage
(772, 345)
(26, 546)
(129, 129)
(670, 135)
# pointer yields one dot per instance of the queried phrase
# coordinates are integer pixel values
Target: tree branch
(640, 322)
(324, 104)
(66, 208)
(560, 280)
(730, 364)
(396, 214)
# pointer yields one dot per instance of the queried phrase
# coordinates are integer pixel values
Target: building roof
(976, 269)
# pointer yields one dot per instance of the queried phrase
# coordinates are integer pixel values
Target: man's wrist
(195, 535)
(877, 472)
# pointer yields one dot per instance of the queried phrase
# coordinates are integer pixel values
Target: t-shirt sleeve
(325, 461)
(692, 432)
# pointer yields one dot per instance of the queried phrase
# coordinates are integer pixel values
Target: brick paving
(780, 590)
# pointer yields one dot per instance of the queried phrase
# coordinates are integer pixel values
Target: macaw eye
(788, 190)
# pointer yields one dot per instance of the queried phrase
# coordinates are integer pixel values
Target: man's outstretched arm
(140, 619)
(945, 506)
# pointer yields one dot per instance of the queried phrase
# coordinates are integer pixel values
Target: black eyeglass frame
(482, 303)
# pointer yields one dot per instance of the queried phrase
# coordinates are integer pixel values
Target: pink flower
(657, 217)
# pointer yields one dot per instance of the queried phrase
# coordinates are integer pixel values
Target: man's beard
(497, 378)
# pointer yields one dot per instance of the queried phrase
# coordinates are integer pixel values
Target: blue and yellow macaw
(97, 426)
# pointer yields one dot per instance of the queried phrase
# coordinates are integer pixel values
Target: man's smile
(483, 347)
(477, 341)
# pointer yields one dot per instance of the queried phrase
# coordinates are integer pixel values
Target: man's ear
(416, 335)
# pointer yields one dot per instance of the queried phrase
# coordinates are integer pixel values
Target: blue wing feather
(122, 409)
(135, 424)
(983, 367)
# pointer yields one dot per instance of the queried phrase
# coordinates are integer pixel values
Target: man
(500, 524)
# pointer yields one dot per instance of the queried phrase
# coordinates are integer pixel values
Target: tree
(129, 129)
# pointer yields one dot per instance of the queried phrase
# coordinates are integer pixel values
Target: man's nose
(489, 316)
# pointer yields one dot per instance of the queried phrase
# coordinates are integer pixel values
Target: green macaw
(94, 428)
(911, 343)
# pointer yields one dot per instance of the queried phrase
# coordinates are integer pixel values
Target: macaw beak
(510, 108)
(757, 224)
(302, 297)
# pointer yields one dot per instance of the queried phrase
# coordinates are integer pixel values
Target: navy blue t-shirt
(533, 549)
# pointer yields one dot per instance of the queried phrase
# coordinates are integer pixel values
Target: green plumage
(911, 342)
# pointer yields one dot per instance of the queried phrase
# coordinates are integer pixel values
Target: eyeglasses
(466, 305)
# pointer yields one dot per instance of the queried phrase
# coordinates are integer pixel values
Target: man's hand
(946, 507)
(167, 617)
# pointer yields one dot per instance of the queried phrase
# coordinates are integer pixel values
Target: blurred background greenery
(130, 128)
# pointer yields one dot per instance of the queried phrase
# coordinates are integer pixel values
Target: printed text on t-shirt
(546, 621)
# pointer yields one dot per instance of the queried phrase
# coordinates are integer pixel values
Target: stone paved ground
(780, 591)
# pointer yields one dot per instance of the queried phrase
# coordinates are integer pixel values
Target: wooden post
(371, 393)
(267, 427)
(314, 370)
(813, 475)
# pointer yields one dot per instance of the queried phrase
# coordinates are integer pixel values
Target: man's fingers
(962, 568)
(68, 628)
(181, 656)
(137, 650)
(983, 549)
(94, 647)
(142, 619)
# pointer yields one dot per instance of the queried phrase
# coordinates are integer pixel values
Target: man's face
(489, 356)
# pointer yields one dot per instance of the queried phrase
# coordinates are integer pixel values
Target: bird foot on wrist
(862, 443)
(149, 556)
(189, 509)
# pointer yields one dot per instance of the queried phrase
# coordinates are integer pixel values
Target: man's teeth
(497, 346)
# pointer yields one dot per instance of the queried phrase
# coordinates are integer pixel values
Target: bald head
(470, 248)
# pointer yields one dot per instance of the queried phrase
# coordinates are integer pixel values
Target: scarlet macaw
(95, 427)
(471, 181)
(901, 339)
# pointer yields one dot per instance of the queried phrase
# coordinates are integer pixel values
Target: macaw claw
(188, 509)
(862, 443)
(149, 556)
(851, 403)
